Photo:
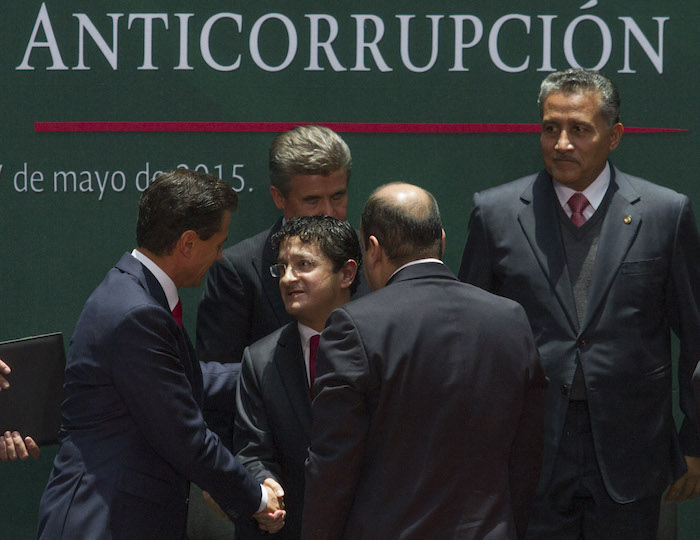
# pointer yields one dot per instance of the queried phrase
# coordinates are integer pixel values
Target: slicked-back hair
(336, 239)
(405, 234)
(579, 80)
(307, 150)
(178, 201)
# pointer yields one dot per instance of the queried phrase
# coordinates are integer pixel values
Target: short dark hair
(307, 150)
(178, 201)
(579, 80)
(405, 232)
(336, 238)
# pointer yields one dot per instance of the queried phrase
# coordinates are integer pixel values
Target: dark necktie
(578, 203)
(177, 313)
(313, 347)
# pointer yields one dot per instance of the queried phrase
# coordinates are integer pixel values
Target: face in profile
(310, 288)
(314, 194)
(576, 139)
(205, 252)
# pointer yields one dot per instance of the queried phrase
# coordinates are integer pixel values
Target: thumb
(274, 486)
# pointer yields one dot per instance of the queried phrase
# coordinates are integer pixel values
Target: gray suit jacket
(646, 281)
(428, 416)
(273, 421)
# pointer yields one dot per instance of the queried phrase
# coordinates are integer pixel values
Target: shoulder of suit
(508, 191)
(245, 248)
(649, 191)
(270, 340)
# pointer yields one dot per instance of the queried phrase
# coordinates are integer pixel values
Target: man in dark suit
(318, 261)
(427, 420)
(309, 174)
(605, 265)
(133, 435)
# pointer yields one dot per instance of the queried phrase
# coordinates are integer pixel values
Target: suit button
(564, 390)
(581, 343)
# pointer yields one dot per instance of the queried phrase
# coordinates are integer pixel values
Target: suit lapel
(616, 237)
(149, 282)
(270, 285)
(289, 360)
(540, 223)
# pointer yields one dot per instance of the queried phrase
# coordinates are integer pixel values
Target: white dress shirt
(594, 193)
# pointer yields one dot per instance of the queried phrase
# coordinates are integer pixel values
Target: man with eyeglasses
(318, 262)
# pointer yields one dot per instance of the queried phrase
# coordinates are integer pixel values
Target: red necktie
(313, 347)
(177, 313)
(578, 203)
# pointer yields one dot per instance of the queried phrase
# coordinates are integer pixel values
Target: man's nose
(289, 274)
(327, 208)
(563, 142)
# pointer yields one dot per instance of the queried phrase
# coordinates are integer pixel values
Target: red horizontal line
(341, 127)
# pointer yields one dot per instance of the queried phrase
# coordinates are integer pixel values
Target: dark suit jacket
(273, 421)
(427, 421)
(132, 434)
(241, 304)
(646, 280)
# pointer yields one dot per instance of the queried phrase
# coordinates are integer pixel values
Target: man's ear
(278, 198)
(373, 247)
(186, 243)
(615, 135)
(348, 273)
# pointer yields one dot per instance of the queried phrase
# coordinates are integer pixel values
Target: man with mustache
(606, 265)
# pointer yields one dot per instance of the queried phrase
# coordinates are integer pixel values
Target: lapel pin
(627, 220)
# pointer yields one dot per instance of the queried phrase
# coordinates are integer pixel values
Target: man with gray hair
(309, 173)
(606, 265)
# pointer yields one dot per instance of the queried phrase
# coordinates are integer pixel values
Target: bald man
(428, 416)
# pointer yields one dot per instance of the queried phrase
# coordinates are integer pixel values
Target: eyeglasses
(301, 267)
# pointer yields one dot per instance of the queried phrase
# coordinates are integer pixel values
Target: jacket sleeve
(683, 311)
(149, 374)
(340, 424)
(253, 440)
(525, 460)
(476, 261)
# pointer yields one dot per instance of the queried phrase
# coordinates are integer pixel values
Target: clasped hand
(271, 519)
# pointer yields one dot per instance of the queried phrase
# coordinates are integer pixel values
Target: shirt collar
(168, 285)
(594, 193)
(305, 333)
(418, 261)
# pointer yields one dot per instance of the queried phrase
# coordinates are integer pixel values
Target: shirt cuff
(263, 499)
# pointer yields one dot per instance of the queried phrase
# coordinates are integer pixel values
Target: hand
(212, 503)
(4, 370)
(688, 485)
(13, 447)
(271, 519)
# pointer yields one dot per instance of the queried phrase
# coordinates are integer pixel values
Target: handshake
(271, 518)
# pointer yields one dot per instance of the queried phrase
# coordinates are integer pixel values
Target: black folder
(32, 404)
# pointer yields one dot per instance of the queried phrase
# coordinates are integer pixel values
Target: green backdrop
(68, 198)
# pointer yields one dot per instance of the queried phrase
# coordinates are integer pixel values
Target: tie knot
(578, 202)
(177, 312)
